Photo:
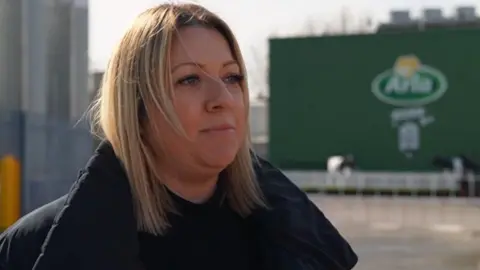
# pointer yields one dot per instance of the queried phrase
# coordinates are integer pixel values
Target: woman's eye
(194, 79)
(189, 80)
(234, 79)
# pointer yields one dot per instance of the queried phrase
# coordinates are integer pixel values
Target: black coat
(93, 227)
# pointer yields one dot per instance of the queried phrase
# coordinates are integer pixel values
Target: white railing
(428, 181)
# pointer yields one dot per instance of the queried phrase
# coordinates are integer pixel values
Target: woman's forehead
(198, 44)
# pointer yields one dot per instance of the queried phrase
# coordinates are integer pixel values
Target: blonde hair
(138, 73)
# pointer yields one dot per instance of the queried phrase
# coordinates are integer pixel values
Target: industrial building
(43, 93)
(431, 18)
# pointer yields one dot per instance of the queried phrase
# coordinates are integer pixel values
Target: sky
(254, 21)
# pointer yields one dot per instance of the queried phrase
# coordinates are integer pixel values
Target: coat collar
(97, 229)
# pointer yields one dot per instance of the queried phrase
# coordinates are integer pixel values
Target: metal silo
(67, 59)
(10, 54)
(10, 77)
(37, 173)
(54, 82)
(79, 87)
(59, 49)
(35, 17)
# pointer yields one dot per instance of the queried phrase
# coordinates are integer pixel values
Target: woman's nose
(219, 96)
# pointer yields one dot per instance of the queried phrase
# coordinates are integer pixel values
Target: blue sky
(254, 21)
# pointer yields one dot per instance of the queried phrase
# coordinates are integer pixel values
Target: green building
(393, 100)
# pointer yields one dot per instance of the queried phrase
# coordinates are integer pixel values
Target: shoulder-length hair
(139, 73)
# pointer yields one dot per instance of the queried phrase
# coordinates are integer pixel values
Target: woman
(175, 185)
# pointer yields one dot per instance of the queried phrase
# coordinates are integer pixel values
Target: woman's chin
(220, 157)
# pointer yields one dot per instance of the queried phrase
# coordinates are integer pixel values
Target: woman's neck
(197, 191)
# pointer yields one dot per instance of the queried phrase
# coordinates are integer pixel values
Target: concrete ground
(408, 233)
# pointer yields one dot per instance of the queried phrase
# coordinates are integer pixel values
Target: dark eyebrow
(231, 62)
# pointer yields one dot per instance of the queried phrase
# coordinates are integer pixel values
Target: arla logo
(409, 83)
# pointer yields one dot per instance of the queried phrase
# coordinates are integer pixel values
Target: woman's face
(208, 100)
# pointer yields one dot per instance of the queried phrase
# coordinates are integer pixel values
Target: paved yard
(408, 233)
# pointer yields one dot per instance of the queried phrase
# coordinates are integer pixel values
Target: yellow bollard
(10, 192)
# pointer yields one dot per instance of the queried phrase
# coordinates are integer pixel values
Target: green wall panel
(323, 101)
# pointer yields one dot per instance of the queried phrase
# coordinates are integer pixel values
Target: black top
(205, 236)
(94, 227)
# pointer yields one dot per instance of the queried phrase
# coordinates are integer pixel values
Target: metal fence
(50, 151)
(396, 183)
